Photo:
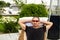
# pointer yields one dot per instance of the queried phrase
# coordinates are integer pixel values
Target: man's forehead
(35, 19)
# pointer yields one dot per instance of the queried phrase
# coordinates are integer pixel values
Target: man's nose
(34, 22)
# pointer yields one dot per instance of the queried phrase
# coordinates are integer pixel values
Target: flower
(8, 19)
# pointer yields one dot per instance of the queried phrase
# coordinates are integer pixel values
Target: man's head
(35, 21)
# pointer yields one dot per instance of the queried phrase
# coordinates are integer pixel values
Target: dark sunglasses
(35, 20)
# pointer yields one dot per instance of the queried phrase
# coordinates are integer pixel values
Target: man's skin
(35, 24)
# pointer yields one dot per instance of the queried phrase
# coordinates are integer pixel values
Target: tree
(8, 4)
(19, 3)
(3, 4)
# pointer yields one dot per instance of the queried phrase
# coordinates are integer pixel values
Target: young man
(37, 31)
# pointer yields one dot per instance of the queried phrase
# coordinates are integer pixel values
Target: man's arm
(22, 23)
(45, 36)
(48, 25)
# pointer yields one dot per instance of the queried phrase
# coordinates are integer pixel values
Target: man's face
(35, 22)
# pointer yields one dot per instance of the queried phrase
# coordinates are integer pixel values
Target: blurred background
(12, 10)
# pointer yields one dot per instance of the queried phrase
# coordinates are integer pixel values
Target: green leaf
(29, 10)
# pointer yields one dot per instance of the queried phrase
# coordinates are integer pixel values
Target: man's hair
(36, 17)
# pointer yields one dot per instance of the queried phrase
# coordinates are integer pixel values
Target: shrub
(28, 10)
(9, 24)
(10, 27)
(1, 27)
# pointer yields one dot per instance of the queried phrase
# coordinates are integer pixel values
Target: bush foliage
(10, 27)
(28, 10)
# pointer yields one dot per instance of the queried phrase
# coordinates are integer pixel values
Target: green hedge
(10, 27)
(28, 10)
(1, 27)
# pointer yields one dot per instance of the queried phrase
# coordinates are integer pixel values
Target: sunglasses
(35, 20)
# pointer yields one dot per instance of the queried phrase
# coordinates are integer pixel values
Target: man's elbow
(19, 22)
(49, 26)
(51, 23)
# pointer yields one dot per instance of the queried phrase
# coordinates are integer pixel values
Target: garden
(9, 24)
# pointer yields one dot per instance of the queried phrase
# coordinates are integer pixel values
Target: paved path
(11, 36)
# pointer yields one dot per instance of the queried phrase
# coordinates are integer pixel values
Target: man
(37, 31)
